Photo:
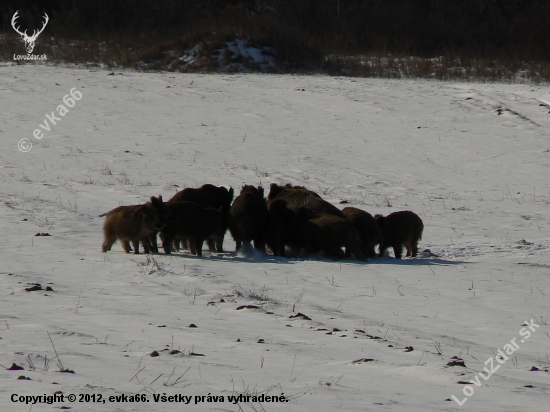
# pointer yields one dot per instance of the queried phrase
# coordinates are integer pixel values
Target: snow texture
(472, 160)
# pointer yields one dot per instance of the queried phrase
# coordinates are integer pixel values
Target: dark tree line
(478, 28)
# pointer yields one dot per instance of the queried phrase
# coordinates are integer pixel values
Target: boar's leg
(192, 243)
(333, 252)
(166, 243)
(370, 252)
(219, 244)
(356, 250)
(259, 244)
(126, 246)
(397, 250)
(172, 248)
(211, 245)
(279, 247)
(282, 249)
(108, 243)
(152, 239)
(238, 243)
(196, 244)
(148, 246)
(273, 248)
(176, 245)
(382, 249)
(414, 247)
(135, 244)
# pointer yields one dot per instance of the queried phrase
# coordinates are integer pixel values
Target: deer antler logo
(29, 40)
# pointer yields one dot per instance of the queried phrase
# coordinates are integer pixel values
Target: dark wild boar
(207, 196)
(330, 233)
(275, 190)
(247, 218)
(283, 220)
(400, 229)
(298, 197)
(369, 233)
(194, 222)
(283, 229)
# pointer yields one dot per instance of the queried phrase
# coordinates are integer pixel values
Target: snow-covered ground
(471, 159)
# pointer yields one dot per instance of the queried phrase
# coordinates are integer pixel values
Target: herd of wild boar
(291, 217)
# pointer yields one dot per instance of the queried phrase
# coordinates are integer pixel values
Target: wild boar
(206, 195)
(298, 197)
(194, 222)
(400, 229)
(133, 224)
(330, 233)
(284, 220)
(369, 233)
(211, 196)
(247, 218)
(283, 229)
(275, 190)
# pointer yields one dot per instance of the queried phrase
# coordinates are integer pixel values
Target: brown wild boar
(125, 243)
(247, 218)
(369, 233)
(207, 195)
(400, 229)
(194, 222)
(149, 244)
(133, 224)
(330, 233)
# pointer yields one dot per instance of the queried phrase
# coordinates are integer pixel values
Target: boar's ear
(160, 199)
(261, 190)
(231, 193)
(273, 191)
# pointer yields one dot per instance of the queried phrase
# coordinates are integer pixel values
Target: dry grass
(440, 68)
(468, 40)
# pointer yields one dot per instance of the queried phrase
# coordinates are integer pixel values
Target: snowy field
(472, 160)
